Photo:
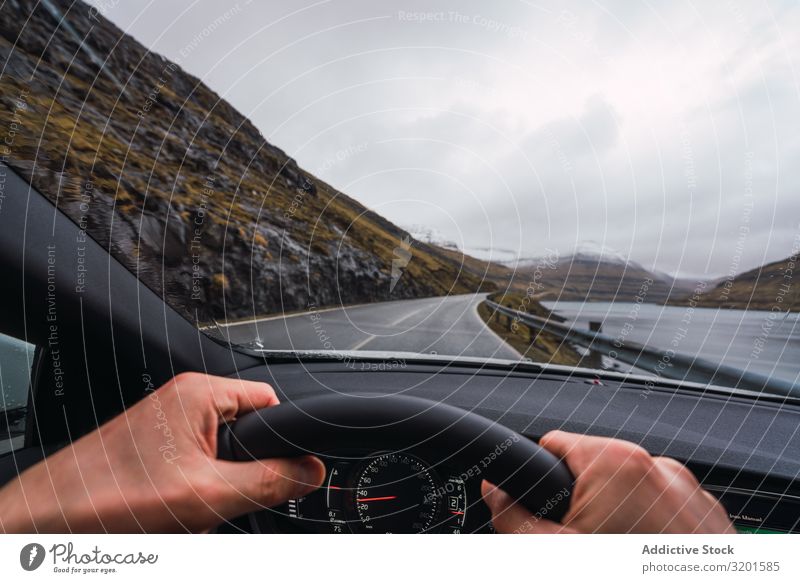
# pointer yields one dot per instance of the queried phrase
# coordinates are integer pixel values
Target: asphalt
(444, 325)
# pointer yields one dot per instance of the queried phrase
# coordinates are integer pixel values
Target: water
(759, 341)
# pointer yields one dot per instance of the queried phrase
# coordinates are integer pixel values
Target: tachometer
(398, 493)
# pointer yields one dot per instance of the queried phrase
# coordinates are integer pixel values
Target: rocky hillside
(773, 286)
(180, 186)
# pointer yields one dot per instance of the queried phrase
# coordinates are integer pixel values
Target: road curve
(447, 325)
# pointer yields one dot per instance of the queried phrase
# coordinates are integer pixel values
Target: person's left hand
(154, 468)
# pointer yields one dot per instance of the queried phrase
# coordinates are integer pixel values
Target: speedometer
(398, 493)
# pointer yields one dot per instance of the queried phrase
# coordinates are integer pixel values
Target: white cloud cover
(646, 127)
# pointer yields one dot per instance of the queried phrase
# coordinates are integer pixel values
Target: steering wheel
(437, 432)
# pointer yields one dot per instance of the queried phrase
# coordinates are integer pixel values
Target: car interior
(91, 349)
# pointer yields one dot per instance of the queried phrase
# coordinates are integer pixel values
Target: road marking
(361, 343)
(486, 327)
(372, 337)
(307, 312)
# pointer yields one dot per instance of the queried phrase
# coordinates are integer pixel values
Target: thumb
(511, 518)
(264, 483)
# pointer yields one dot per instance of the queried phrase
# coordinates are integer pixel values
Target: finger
(560, 443)
(676, 469)
(511, 518)
(717, 516)
(265, 483)
(233, 397)
(713, 500)
(680, 477)
(578, 451)
(711, 514)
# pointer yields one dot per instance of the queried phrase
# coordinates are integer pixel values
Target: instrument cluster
(385, 492)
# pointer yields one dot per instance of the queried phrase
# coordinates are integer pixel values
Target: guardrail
(660, 362)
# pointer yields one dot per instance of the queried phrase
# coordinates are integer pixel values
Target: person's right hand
(618, 488)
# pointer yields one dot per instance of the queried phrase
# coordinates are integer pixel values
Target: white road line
(492, 332)
(361, 343)
(371, 337)
(287, 316)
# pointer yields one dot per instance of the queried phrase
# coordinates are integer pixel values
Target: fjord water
(764, 342)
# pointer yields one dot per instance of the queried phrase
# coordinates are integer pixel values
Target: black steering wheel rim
(434, 431)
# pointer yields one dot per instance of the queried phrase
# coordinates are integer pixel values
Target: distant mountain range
(182, 188)
(595, 274)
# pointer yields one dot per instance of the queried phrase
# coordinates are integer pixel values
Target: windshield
(615, 190)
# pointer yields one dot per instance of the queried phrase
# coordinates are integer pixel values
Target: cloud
(525, 126)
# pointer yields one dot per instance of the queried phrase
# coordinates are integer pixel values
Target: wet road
(443, 325)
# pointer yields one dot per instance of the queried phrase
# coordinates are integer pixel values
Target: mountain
(430, 235)
(772, 286)
(181, 187)
(596, 274)
(585, 249)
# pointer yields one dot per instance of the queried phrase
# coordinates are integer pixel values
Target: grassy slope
(771, 286)
(539, 347)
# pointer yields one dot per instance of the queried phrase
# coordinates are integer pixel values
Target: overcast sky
(670, 133)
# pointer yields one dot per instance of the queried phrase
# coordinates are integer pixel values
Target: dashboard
(384, 492)
(745, 450)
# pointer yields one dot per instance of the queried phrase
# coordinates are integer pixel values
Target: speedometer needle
(375, 499)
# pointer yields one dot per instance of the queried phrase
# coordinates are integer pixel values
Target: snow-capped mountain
(595, 272)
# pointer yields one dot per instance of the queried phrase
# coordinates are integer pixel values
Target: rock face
(181, 187)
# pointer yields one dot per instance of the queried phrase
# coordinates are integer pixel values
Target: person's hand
(154, 468)
(618, 488)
